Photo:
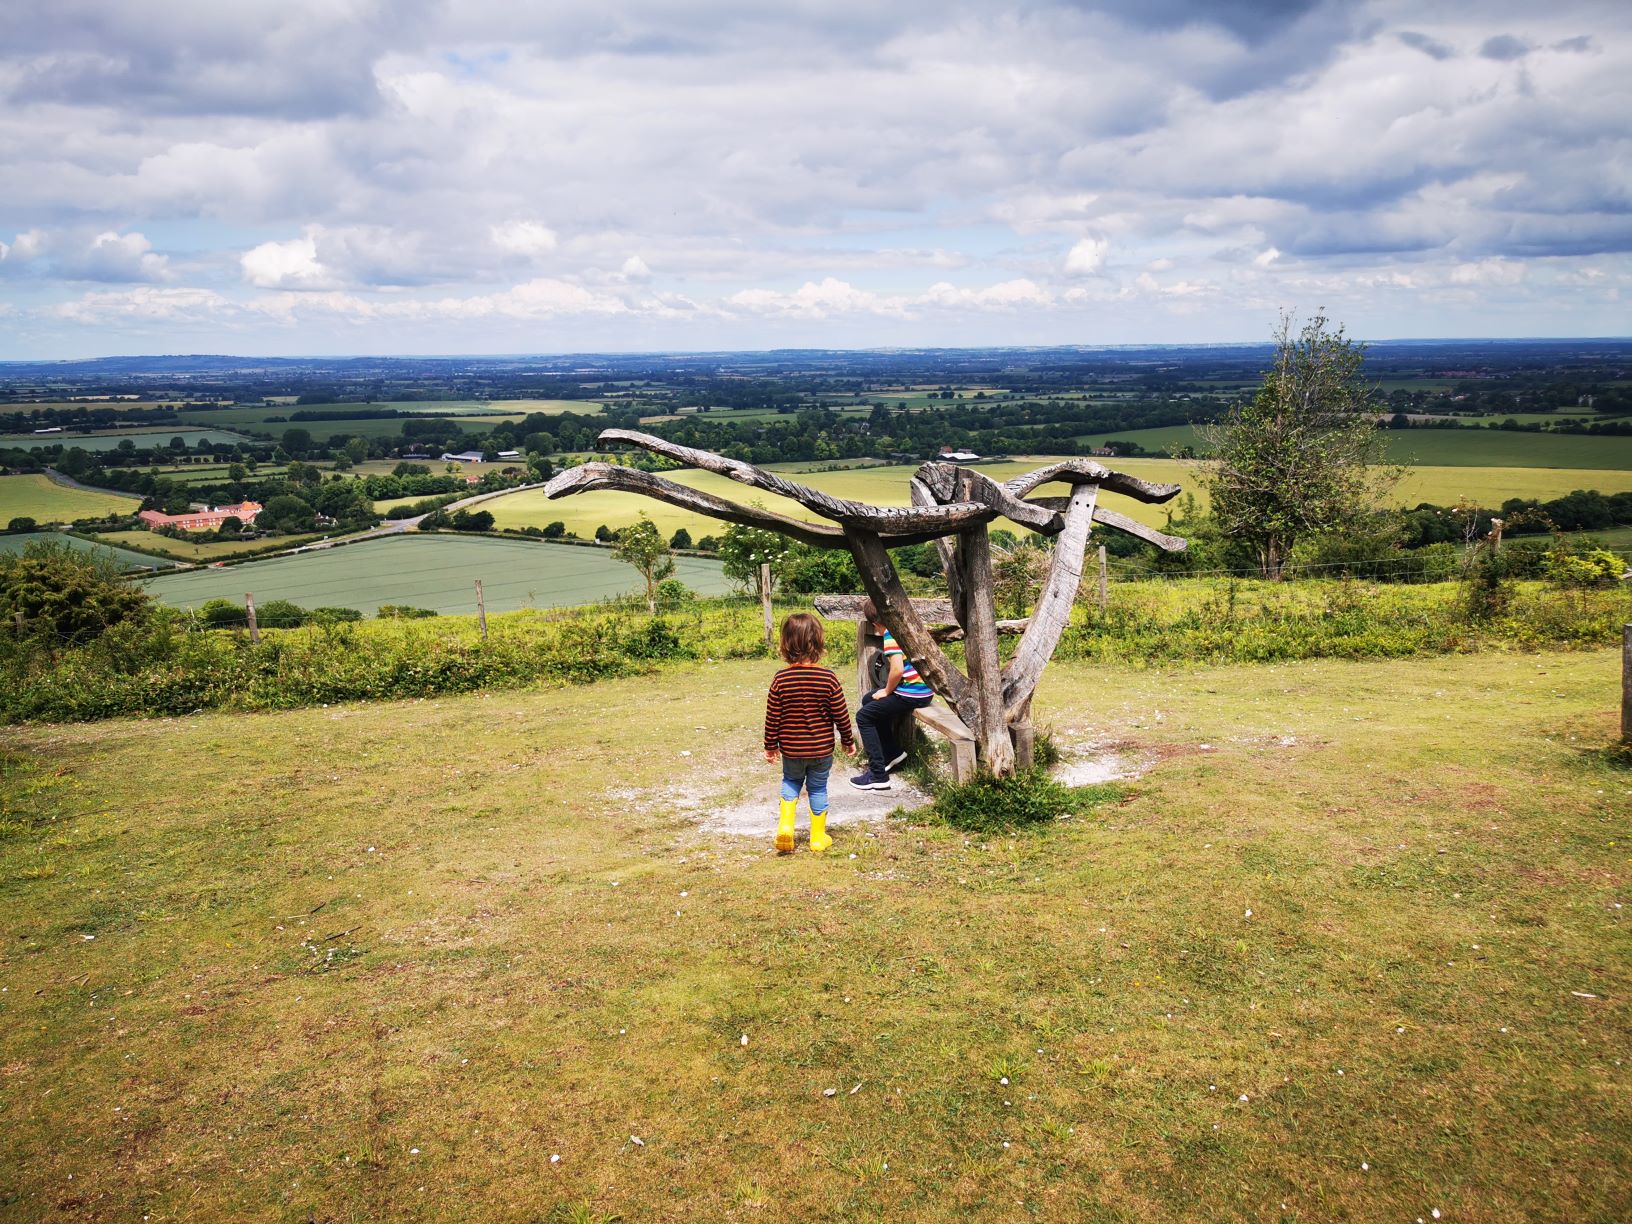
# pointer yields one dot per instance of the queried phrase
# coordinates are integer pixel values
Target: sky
(479, 176)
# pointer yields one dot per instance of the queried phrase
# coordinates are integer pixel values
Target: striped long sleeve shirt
(801, 710)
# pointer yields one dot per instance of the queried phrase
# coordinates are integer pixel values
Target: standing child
(804, 705)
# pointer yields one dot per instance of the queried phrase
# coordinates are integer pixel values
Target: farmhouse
(202, 519)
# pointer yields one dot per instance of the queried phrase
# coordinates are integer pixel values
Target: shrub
(402, 612)
(1596, 567)
(280, 614)
(555, 530)
(335, 616)
(65, 595)
(22, 523)
(672, 594)
(222, 614)
(680, 539)
(1024, 798)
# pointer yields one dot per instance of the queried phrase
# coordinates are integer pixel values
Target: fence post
(481, 609)
(249, 610)
(1102, 591)
(1626, 684)
(765, 597)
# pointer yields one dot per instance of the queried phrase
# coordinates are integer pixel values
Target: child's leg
(816, 787)
(793, 776)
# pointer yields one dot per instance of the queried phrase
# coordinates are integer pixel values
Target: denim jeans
(875, 722)
(811, 773)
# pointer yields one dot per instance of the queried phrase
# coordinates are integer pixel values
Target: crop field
(143, 438)
(45, 501)
(210, 550)
(124, 558)
(1495, 448)
(887, 486)
(432, 571)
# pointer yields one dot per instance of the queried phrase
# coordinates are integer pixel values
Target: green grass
(158, 435)
(1492, 448)
(431, 571)
(124, 558)
(382, 961)
(887, 486)
(210, 550)
(45, 501)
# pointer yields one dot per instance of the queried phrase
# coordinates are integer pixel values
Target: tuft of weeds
(1026, 798)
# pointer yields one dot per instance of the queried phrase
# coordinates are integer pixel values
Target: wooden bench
(944, 722)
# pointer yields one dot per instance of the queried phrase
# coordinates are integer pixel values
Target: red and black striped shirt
(801, 710)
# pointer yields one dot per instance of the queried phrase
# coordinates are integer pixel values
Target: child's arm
(839, 711)
(773, 721)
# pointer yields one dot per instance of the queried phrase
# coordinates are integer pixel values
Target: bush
(67, 596)
(334, 616)
(555, 530)
(402, 612)
(22, 523)
(1595, 568)
(280, 614)
(1026, 797)
(672, 594)
(222, 614)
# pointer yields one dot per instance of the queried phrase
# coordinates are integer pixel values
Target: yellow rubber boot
(784, 827)
(819, 840)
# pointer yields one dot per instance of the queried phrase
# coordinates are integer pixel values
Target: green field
(887, 486)
(432, 571)
(1350, 949)
(124, 558)
(145, 439)
(1498, 448)
(45, 501)
(210, 550)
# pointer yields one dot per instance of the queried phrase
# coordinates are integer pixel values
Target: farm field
(287, 965)
(212, 550)
(42, 499)
(887, 486)
(124, 558)
(1498, 448)
(144, 438)
(432, 571)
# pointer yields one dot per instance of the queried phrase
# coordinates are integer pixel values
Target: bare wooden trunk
(973, 559)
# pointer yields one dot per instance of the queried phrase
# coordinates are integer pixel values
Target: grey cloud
(1581, 44)
(1505, 47)
(1431, 47)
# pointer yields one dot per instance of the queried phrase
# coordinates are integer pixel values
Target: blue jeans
(875, 722)
(809, 773)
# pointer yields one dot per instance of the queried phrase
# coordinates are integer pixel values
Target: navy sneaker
(866, 781)
(899, 757)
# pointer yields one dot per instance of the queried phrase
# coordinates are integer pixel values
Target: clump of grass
(1024, 799)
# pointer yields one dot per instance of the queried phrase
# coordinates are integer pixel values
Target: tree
(357, 449)
(287, 513)
(1303, 456)
(65, 596)
(555, 530)
(743, 550)
(641, 546)
(297, 442)
(680, 539)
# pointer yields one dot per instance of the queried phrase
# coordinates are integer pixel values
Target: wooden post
(1102, 591)
(765, 598)
(481, 609)
(973, 556)
(249, 609)
(1626, 684)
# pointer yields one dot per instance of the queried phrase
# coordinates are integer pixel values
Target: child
(804, 705)
(904, 691)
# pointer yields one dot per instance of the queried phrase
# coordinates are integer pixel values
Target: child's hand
(770, 756)
(850, 750)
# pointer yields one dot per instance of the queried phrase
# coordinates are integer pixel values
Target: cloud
(635, 269)
(1087, 257)
(286, 265)
(1430, 47)
(1505, 47)
(524, 238)
(112, 256)
(146, 304)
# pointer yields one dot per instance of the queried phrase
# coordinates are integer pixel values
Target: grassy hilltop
(1351, 948)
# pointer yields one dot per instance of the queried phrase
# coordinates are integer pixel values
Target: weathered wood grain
(1054, 603)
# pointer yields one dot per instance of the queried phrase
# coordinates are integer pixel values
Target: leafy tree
(22, 523)
(555, 530)
(297, 442)
(641, 546)
(222, 614)
(230, 526)
(67, 596)
(744, 549)
(287, 513)
(603, 533)
(1302, 456)
(680, 539)
(357, 449)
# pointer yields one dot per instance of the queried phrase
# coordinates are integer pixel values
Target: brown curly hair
(802, 639)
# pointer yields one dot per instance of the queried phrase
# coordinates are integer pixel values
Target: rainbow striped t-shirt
(912, 684)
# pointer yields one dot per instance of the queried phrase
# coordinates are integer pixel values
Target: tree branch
(1086, 471)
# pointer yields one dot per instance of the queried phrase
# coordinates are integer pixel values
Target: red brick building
(202, 520)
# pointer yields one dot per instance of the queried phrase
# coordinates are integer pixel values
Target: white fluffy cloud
(822, 163)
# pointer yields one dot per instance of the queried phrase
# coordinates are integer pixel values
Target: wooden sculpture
(951, 506)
